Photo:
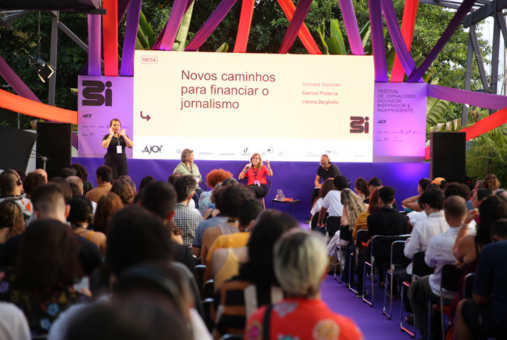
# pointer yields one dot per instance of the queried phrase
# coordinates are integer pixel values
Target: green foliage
(488, 155)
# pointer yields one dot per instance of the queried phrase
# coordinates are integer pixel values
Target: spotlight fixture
(43, 69)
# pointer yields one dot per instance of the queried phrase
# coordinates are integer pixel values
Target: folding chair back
(398, 257)
(468, 286)
(451, 277)
(419, 266)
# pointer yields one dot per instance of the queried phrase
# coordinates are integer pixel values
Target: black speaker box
(448, 155)
(15, 148)
(55, 143)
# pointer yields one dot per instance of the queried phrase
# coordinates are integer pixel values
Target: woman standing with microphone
(256, 173)
(115, 143)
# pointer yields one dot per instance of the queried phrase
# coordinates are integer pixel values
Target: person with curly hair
(108, 204)
(491, 182)
(82, 173)
(31, 181)
(123, 189)
(213, 178)
(11, 220)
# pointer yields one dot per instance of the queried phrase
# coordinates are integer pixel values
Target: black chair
(199, 276)
(399, 263)
(419, 269)
(450, 282)
(380, 249)
(268, 189)
(362, 237)
(468, 286)
(204, 186)
(207, 304)
(333, 225)
(208, 289)
(232, 337)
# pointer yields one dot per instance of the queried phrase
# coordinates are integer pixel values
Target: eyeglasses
(324, 164)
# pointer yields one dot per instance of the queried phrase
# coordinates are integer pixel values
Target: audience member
(106, 207)
(332, 202)
(13, 324)
(80, 218)
(123, 189)
(11, 185)
(11, 221)
(300, 264)
(361, 188)
(64, 187)
(438, 254)
(66, 172)
(82, 173)
(76, 181)
(213, 178)
(211, 208)
(500, 230)
(41, 172)
(184, 218)
(127, 179)
(104, 178)
(440, 182)
(373, 184)
(147, 180)
(410, 204)
(491, 182)
(228, 251)
(229, 200)
(325, 188)
(31, 181)
(46, 268)
(76, 191)
(386, 221)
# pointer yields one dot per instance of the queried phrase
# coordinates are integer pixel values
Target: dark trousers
(119, 166)
(196, 196)
(259, 191)
(419, 294)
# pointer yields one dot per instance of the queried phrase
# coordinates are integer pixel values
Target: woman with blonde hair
(256, 173)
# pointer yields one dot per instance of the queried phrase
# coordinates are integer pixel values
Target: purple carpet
(370, 320)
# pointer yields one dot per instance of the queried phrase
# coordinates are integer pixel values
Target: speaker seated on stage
(325, 171)
(11, 185)
(332, 202)
(104, 177)
(256, 173)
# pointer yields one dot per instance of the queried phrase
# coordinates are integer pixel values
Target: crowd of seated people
(114, 262)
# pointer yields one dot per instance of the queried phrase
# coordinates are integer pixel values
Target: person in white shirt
(438, 254)
(332, 202)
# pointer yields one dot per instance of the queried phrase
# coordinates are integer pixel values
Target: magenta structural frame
(129, 44)
(484, 100)
(295, 25)
(349, 19)
(170, 31)
(94, 45)
(377, 41)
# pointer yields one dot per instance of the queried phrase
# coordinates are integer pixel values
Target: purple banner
(377, 41)
(214, 20)
(295, 25)
(15, 81)
(101, 99)
(482, 100)
(166, 39)
(349, 18)
(94, 45)
(463, 10)
(129, 43)
(399, 44)
(399, 126)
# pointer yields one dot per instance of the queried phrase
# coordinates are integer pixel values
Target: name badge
(257, 183)
(118, 149)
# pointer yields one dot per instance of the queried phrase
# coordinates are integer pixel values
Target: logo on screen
(93, 92)
(153, 149)
(87, 115)
(359, 124)
(270, 150)
(382, 121)
(205, 153)
(178, 151)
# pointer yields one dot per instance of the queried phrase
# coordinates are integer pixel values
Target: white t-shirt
(317, 206)
(333, 203)
(13, 324)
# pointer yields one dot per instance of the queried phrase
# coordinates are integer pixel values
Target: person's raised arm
(317, 182)
(107, 141)
(243, 172)
(270, 172)
(463, 231)
(411, 203)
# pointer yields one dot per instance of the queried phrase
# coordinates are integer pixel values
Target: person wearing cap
(332, 202)
(440, 181)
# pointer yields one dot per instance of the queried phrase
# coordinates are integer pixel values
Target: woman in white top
(326, 187)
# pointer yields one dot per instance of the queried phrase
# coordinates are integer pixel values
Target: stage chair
(362, 236)
(268, 189)
(399, 263)
(208, 289)
(380, 248)
(204, 186)
(419, 269)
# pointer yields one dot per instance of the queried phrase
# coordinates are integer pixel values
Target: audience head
(187, 155)
(217, 176)
(124, 191)
(147, 180)
(21, 174)
(269, 226)
(31, 181)
(248, 212)
(230, 198)
(107, 205)
(185, 188)
(174, 177)
(300, 261)
(440, 182)
(353, 205)
(130, 319)
(10, 182)
(136, 236)
(159, 198)
(374, 200)
(67, 172)
(491, 182)
(480, 195)
(433, 186)
(76, 181)
(500, 230)
(386, 195)
(48, 202)
(214, 193)
(130, 182)
(431, 200)
(75, 190)
(41, 172)
(362, 187)
(455, 210)
(340, 182)
(81, 211)
(423, 184)
(81, 171)
(64, 186)
(11, 217)
(326, 187)
(47, 257)
(374, 183)
(104, 174)
(229, 181)
(456, 189)
(491, 209)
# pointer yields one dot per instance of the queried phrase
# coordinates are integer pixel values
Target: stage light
(43, 69)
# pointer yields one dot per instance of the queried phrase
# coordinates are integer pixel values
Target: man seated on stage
(104, 177)
(325, 170)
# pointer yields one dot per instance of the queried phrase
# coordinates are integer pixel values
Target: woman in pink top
(256, 173)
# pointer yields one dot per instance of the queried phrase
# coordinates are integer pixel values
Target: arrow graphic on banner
(147, 117)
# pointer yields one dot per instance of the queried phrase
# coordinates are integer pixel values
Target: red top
(260, 173)
(300, 318)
